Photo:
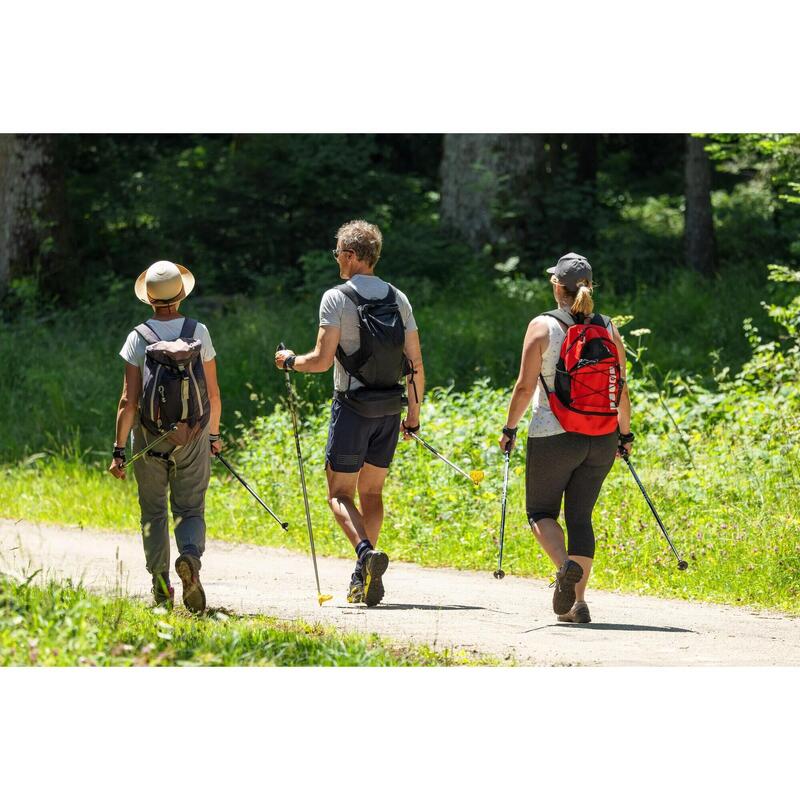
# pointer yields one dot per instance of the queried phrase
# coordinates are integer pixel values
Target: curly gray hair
(363, 238)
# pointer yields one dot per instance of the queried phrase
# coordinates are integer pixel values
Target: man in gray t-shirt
(360, 445)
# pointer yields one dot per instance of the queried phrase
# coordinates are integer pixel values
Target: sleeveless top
(543, 421)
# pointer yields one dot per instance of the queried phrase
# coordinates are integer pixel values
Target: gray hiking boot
(564, 595)
(578, 613)
(373, 566)
(188, 569)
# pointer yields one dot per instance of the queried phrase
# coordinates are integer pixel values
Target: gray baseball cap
(571, 269)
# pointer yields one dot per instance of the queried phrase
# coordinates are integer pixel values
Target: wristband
(409, 429)
(626, 438)
(214, 437)
(119, 452)
(288, 363)
(510, 432)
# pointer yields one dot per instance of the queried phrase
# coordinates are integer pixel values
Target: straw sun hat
(164, 283)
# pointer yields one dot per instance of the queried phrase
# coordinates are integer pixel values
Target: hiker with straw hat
(171, 404)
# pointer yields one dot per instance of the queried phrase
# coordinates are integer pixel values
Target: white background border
(392, 67)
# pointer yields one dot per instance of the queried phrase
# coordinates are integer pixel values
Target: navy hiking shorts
(353, 439)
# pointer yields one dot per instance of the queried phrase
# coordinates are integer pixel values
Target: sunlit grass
(57, 624)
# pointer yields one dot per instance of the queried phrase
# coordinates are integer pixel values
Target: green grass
(64, 625)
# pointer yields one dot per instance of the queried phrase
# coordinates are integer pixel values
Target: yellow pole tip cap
(477, 476)
(323, 598)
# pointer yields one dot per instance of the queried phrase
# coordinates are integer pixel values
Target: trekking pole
(284, 525)
(150, 446)
(321, 598)
(476, 476)
(626, 458)
(498, 573)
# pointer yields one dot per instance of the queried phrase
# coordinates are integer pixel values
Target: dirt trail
(439, 607)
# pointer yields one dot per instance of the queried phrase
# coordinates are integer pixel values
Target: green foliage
(57, 624)
(468, 332)
(236, 208)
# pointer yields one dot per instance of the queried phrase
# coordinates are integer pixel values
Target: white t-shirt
(543, 420)
(337, 311)
(168, 330)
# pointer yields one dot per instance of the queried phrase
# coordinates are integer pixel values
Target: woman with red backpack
(573, 366)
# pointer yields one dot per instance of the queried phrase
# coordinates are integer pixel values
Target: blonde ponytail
(583, 302)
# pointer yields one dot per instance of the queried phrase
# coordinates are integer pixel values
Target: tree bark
(700, 242)
(31, 206)
(476, 169)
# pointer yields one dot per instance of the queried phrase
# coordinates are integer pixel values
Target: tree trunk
(476, 169)
(31, 205)
(699, 221)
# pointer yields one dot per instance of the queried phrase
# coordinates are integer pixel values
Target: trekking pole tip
(323, 598)
(285, 526)
(499, 574)
(683, 565)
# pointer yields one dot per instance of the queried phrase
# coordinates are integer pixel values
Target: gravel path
(439, 607)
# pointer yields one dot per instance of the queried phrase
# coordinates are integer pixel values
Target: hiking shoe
(188, 569)
(578, 613)
(566, 578)
(373, 565)
(163, 593)
(355, 594)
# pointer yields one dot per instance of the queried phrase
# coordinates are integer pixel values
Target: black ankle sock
(361, 548)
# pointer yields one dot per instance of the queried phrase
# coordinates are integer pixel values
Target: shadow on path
(606, 626)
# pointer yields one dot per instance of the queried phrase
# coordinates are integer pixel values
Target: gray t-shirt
(336, 311)
(169, 330)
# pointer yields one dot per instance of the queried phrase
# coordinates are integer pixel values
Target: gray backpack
(173, 384)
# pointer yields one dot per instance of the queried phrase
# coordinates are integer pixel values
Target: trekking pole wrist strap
(510, 432)
(288, 363)
(626, 438)
(410, 428)
(119, 452)
(214, 437)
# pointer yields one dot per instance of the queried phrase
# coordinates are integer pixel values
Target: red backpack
(588, 379)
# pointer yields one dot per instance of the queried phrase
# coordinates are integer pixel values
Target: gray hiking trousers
(185, 472)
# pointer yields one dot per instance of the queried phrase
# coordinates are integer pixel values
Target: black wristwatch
(408, 429)
(626, 438)
(510, 432)
(214, 437)
(288, 362)
(119, 452)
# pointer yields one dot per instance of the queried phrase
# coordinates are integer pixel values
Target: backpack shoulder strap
(147, 333)
(351, 294)
(188, 329)
(561, 316)
(391, 296)
(602, 320)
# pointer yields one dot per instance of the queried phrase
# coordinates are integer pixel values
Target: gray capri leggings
(572, 466)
